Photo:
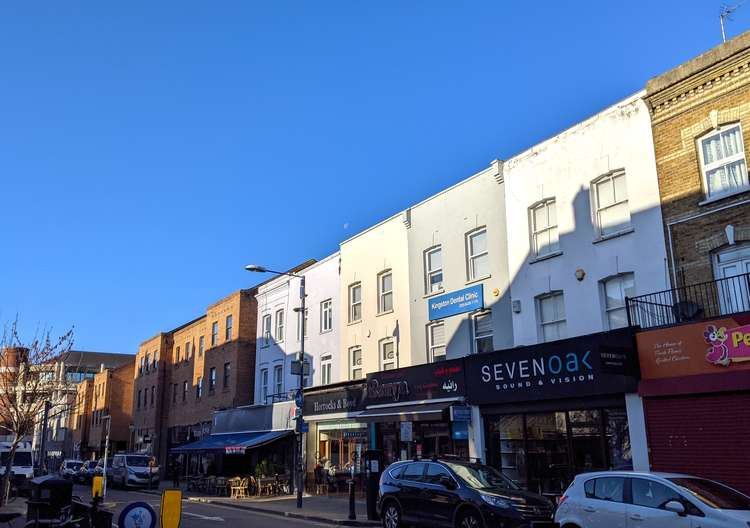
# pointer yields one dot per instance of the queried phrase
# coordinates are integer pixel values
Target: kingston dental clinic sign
(457, 302)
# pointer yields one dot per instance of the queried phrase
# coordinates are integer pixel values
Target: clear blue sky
(149, 150)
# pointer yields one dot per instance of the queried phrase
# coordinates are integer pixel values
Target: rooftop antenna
(726, 11)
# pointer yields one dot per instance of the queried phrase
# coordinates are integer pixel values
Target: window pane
(435, 259)
(609, 488)
(437, 334)
(552, 213)
(547, 309)
(614, 297)
(605, 195)
(386, 282)
(478, 242)
(540, 217)
(617, 318)
(356, 312)
(483, 323)
(356, 293)
(712, 149)
(621, 192)
(436, 281)
(481, 266)
(614, 218)
(484, 345)
(438, 353)
(387, 302)
(652, 494)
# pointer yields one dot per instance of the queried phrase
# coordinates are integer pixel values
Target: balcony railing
(280, 397)
(695, 302)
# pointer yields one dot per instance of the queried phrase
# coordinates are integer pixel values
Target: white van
(23, 462)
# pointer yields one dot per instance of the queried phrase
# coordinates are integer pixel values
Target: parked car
(134, 470)
(69, 468)
(447, 492)
(86, 472)
(651, 500)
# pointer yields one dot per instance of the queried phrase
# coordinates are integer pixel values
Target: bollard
(352, 513)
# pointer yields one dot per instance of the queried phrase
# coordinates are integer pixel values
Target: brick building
(112, 395)
(701, 128)
(184, 375)
(80, 419)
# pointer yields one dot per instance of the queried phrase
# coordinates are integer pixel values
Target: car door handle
(636, 517)
(589, 509)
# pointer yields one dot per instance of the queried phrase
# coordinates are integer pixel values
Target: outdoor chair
(210, 483)
(221, 486)
(252, 486)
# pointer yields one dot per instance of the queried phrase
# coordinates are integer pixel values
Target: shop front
(696, 391)
(553, 410)
(410, 409)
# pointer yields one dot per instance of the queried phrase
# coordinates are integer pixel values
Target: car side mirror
(676, 507)
(447, 482)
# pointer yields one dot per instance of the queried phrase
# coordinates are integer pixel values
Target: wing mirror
(447, 482)
(676, 507)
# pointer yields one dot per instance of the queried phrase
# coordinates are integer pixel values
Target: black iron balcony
(695, 302)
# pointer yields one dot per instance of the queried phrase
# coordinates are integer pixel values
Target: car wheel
(469, 519)
(391, 515)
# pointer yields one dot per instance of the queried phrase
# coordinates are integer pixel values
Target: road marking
(203, 517)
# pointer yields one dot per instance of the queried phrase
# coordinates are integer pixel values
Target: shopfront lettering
(394, 390)
(334, 405)
(525, 368)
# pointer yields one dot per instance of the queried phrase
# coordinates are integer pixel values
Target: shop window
(615, 289)
(610, 201)
(355, 302)
(385, 292)
(730, 269)
(355, 363)
(387, 354)
(436, 342)
(551, 316)
(722, 155)
(477, 255)
(482, 330)
(325, 370)
(543, 223)
(433, 269)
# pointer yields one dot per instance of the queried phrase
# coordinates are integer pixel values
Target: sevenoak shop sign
(456, 302)
(595, 364)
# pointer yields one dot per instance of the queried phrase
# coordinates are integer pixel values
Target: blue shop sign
(457, 302)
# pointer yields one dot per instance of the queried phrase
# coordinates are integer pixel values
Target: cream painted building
(374, 322)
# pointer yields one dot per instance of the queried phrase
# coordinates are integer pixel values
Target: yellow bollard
(171, 508)
(97, 483)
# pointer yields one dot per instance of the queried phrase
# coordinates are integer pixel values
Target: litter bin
(373, 469)
(50, 498)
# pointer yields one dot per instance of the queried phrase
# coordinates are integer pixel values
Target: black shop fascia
(553, 410)
(411, 408)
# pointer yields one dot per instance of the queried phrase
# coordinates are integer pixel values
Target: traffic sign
(298, 398)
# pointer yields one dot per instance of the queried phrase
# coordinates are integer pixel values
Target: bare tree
(27, 380)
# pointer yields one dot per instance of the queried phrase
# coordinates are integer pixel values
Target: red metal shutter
(706, 435)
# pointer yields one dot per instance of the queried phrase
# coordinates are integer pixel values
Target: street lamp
(299, 400)
(108, 418)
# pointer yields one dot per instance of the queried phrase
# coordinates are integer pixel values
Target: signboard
(302, 426)
(298, 398)
(460, 430)
(708, 347)
(406, 432)
(171, 508)
(444, 379)
(296, 370)
(138, 515)
(602, 363)
(340, 400)
(460, 413)
(457, 302)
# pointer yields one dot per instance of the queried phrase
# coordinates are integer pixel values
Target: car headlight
(495, 501)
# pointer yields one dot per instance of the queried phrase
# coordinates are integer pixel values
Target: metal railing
(279, 397)
(695, 302)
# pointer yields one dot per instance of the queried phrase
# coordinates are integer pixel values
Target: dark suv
(446, 492)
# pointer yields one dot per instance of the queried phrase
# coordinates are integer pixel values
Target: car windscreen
(138, 461)
(714, 494)
(22, 458)
(74, 465)
(481, 477)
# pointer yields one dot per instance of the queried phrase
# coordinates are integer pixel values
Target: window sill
(433, 294)
(478, 279)
(610, 236)
(545, 257)
(358, 321)
(326, 331)
(384, 313)
(709, 201)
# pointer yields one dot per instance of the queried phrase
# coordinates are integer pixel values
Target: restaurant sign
(340, 400)
(708, 347)
(456, 302)
(444, 379)
(602, 363)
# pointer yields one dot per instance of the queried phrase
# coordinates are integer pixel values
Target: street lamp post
(301, 359)
(107, 417)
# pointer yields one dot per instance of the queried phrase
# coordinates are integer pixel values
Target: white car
(629, 499)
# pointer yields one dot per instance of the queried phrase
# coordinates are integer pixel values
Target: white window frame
(541, 324)
(264, 384)
(382, 292)
(429, 272)
(352, 303)
(475, 336)
(353, 367)
(611, 309)
(472, 257)
(537, 232)
(598, 209)
(265, 327)
(326, 367)
(326, 316)
(708, 167)
(279, 329)
(390, 364)
(278, 379)
(431, 346)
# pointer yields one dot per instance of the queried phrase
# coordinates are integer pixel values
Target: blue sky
(149, 150)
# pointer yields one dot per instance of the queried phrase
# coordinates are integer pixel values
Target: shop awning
(232, 443)
(405, 413)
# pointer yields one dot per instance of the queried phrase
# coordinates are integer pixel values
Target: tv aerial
(726, 14)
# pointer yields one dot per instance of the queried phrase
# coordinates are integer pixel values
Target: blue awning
(232, 443)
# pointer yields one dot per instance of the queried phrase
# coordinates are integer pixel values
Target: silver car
(628, 499)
